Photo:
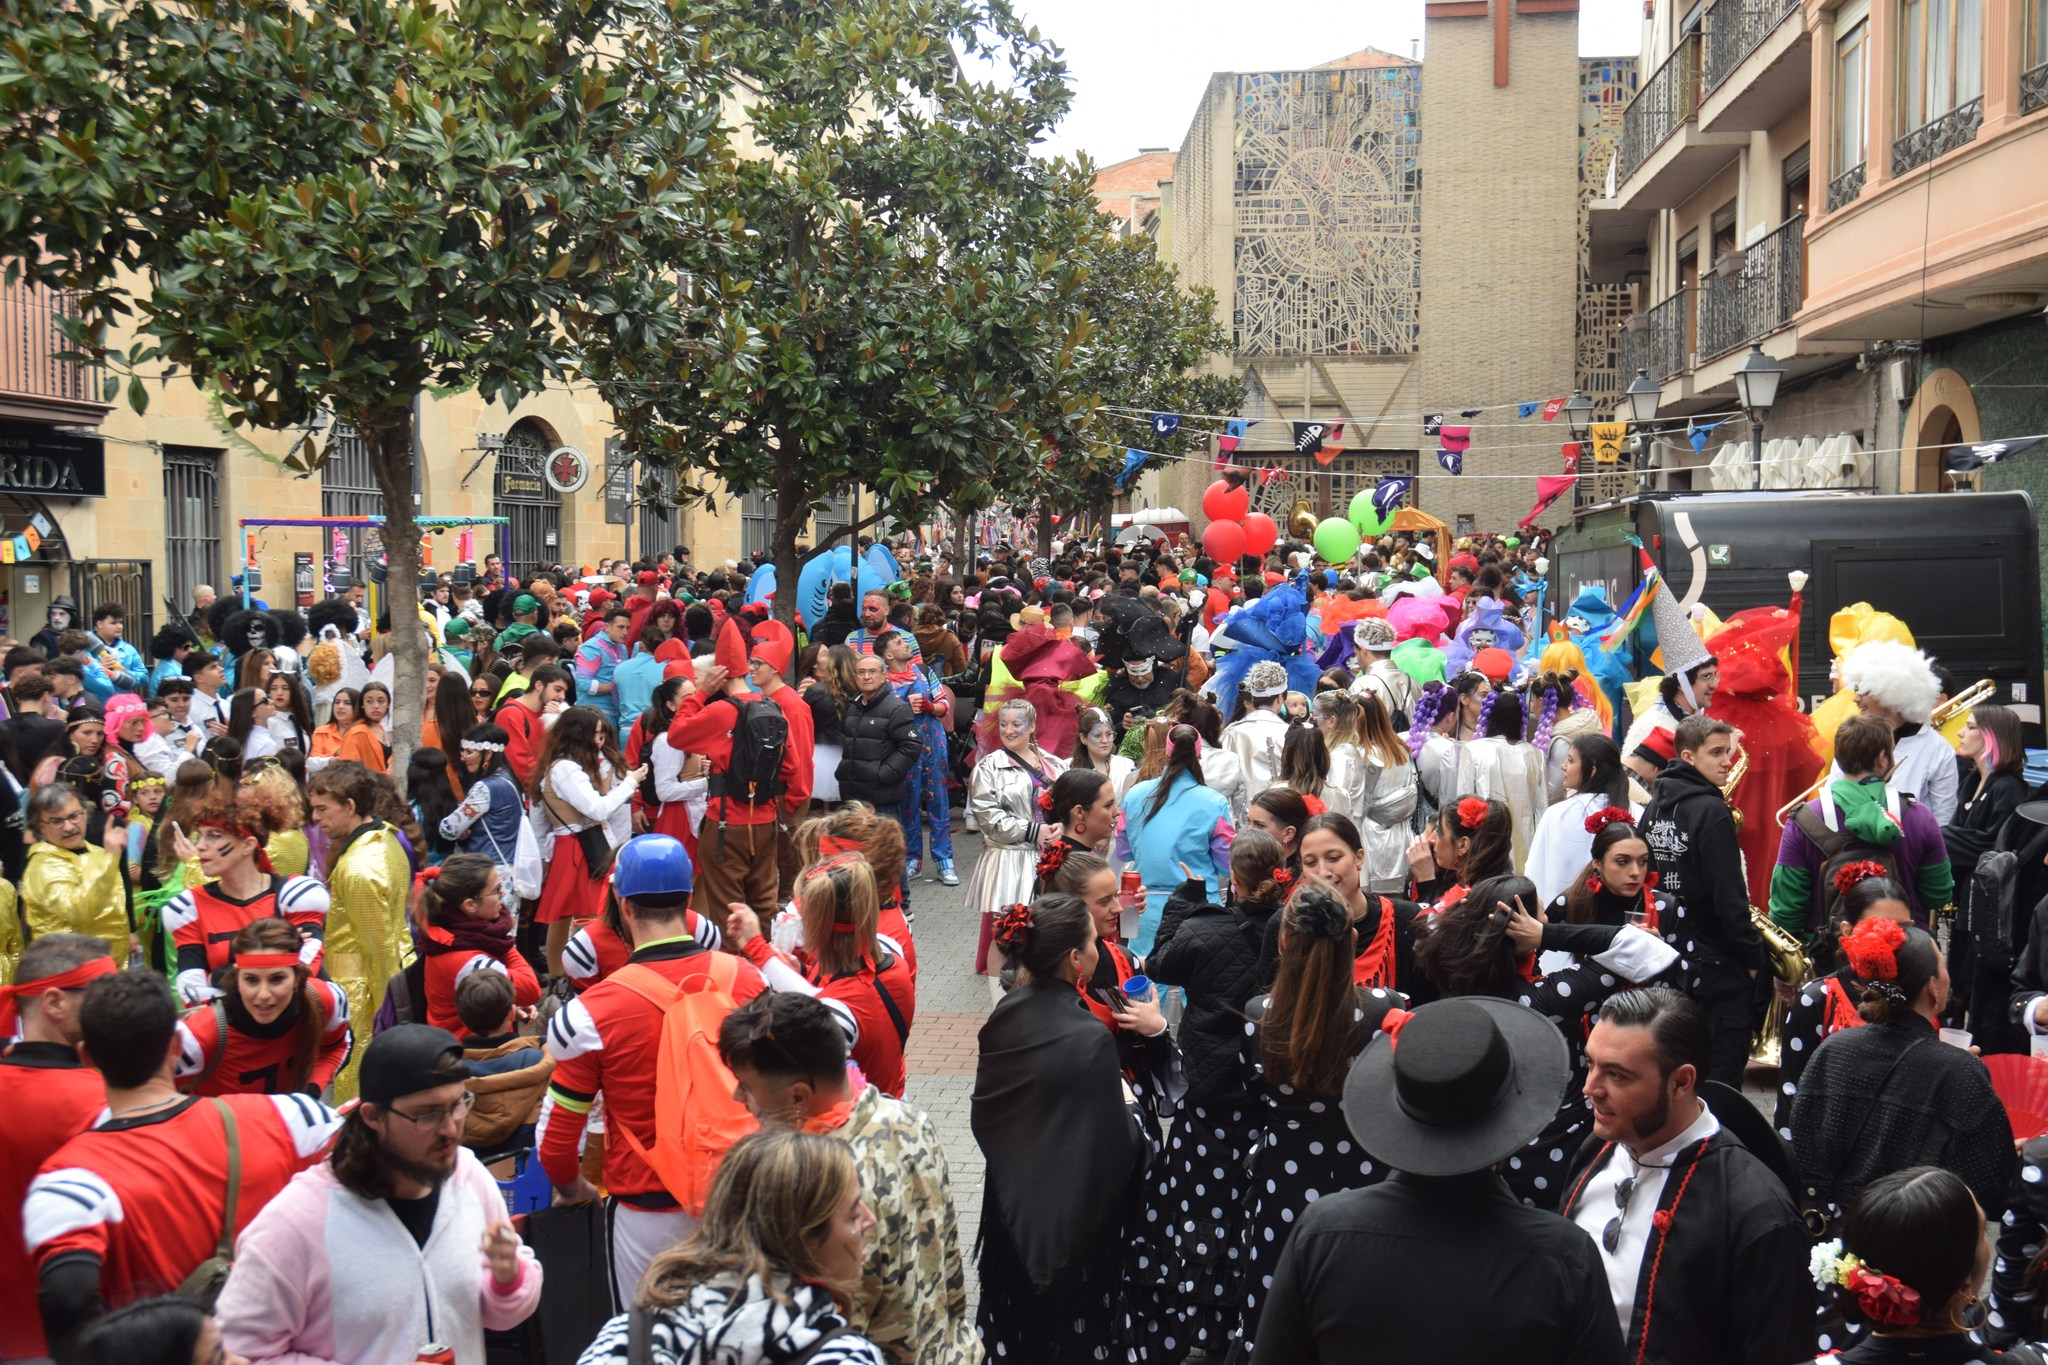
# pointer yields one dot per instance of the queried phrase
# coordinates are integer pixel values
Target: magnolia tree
(340, 205)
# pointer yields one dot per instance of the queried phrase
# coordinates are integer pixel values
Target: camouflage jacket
(912, 1301)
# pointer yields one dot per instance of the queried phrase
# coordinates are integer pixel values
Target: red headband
(833, 843)
(263, 961)
(239, 831)
(75, 979)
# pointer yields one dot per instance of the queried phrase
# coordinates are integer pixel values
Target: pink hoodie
(326, 1277)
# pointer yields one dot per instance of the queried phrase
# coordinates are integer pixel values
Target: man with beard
(1145, 684)
(400, 1239)
(1703, 1246)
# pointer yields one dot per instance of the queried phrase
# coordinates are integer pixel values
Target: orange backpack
(696, 1117)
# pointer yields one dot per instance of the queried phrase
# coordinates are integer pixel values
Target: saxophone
(1787, 954)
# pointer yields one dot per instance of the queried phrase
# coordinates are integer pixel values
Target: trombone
(1969, 699)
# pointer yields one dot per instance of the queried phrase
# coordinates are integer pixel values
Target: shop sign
(42, 461)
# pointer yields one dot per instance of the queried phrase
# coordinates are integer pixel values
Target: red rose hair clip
(1045, 800)
(1472, 812)
(1884, 1299)
(1872, 949)
(1605, 816)
(1013, 925)
(1283, 880)
(1052, 858)
(1849, 874)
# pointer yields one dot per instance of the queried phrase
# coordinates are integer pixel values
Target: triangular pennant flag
(1526, 409)
(1455, 438)
(1165, 423)
(1432, 423)
(1552, 408)
(1387, 496)
(1267, 476)
(1334, 436)
(1233, 433)
(1699, 434)
(1471, 412)
(1548, 487)
(1308, 436)
(1607, 439)
(1453, 461)
(1572, 450)
(1132, 459)
(1987, 452)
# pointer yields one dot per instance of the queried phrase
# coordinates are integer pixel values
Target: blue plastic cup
(1138, 988)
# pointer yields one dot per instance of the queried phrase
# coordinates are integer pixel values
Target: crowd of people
(1358, 938)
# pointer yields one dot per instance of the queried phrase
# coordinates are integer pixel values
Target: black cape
(1048, 1112)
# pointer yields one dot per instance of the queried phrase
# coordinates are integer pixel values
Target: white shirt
(1256, 741)
(1924, 768)
(205, 710)
(1596, 1207)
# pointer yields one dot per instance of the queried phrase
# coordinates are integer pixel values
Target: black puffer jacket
(880, 748)
(1213, 953)
(824, 714)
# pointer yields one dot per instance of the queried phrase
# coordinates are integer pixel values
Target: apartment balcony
(35, 386)
(1660, 340)
(1757, 299)
(1757, 69)
(1665, 155)
(2034, 88)
(1938, 137)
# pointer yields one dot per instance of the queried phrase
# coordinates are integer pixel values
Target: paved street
(951, 1003)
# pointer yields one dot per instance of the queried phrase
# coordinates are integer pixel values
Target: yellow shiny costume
(76, 892)
(289, 854)
(367, 938)
(10, 934)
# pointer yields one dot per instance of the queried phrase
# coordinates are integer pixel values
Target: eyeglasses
(434, 1118)
(1610, 1236)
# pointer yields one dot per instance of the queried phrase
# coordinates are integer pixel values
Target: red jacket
(702, 727)
(49, 1097)
(445, 972)
(524, 732)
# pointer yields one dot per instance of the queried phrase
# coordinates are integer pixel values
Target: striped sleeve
(69, 1209)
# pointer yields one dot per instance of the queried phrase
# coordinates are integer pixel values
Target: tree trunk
(1105, 509)
(391, 457)
(792, 505)
(1045, 530)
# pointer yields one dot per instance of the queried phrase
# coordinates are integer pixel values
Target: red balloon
(1223, 541)
(1225, 501)
(1261, 533)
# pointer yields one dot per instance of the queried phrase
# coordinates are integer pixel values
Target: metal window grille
(192, 521)
(534, 508)
(757, 521)
(660, 525)
(96, 582)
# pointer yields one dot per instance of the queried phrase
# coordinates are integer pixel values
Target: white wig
(1899, 676)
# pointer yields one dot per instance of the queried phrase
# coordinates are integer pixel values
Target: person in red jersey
(599, 948)
(49, 1096)
(608, 1041)
(136, 1203)
(277, 1030)
(523, 718)
(461, 925)
(843, 963)
(241, 887)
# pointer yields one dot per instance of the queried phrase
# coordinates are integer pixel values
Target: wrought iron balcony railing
(1659, 342)
(1736, 28)
(1758, 299)
(1938, 136)
(1662, 106)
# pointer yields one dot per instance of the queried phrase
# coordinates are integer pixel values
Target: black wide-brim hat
(1468, 1083)
(1148, 637)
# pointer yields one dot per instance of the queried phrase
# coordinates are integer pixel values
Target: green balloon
(1365, 516)
(1336, 540)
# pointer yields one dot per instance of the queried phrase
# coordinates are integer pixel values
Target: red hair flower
(1472, 812)
(1013, 925)
(1283, 880)
(1391, 1024)
(1883, 1298)
(1045, 800)
(1052, 857)
(1605, 816)
(1849, 874)
(1872, 949)
(1594, 885)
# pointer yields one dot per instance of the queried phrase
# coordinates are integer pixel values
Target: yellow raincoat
(81, 891)
(10, 934)
(367, 938)
(1851, 626)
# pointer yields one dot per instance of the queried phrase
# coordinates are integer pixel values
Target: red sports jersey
(203, 923)
(875, 1039)
(49, 1097)
(594, 952)
(445, 972)
(253, 1058)
(144, 1196)
(608, 1041)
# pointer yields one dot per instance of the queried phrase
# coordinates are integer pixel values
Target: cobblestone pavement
(951, 1003)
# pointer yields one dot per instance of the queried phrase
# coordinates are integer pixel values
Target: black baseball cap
(408, 1058)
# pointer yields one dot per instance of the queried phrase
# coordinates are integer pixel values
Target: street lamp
(1643, 395)
(1578, 415)
(1756, 387)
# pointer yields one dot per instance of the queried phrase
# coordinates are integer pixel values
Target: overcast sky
(1139, 66)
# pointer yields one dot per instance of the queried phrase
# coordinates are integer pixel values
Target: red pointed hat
(732, 649)
(773, 645)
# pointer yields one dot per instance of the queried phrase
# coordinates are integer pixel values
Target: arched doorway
(1939, 433)
(1943, 415)
(524, 496)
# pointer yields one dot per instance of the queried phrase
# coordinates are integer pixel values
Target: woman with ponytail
(1215, 950)
(1302, 1038)
(1487, 944)
(1470, 841)
(1065, 1146)
(461, 925)
(1174, 821)
(275, 1030)
(1877, 1100)
(1594, 780)
(1504, 766)
(1558, 718)
(1827, 1004)
(1446, 715)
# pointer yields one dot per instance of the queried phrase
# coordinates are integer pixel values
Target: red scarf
(1124, 973)
(1374, 965)
(1841, 1011)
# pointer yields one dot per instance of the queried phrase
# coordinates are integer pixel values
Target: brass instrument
(1790, 808)
(1970, 698)
(1735, 776)
(1301, 521)
(1786, 954)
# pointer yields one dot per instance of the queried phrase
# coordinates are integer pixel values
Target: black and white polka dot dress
(1807, 1024)
(1200, 1204)
(1305, 1152)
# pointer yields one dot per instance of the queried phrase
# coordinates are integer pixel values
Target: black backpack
(759, 736)
(1838, 849)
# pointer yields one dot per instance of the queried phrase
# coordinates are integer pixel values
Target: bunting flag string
(1698, 433)
(1453, 461)
(1549, 487)
(1469, 413)
(1607, 439)
(1308, 437)
(1572, 451)
(1526, 410)
(1390, 492)
(1164, 424)
(1553, 407)
(1233, 435)
(1132, 459)
(1333, 444)
(1432, 423)
(1455, 439)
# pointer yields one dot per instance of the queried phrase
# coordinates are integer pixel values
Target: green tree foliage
(340, 204)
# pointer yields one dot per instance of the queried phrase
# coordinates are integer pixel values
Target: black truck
(1961, 570)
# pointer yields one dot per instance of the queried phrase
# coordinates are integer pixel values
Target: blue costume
(1192, 827)
(924, 788)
